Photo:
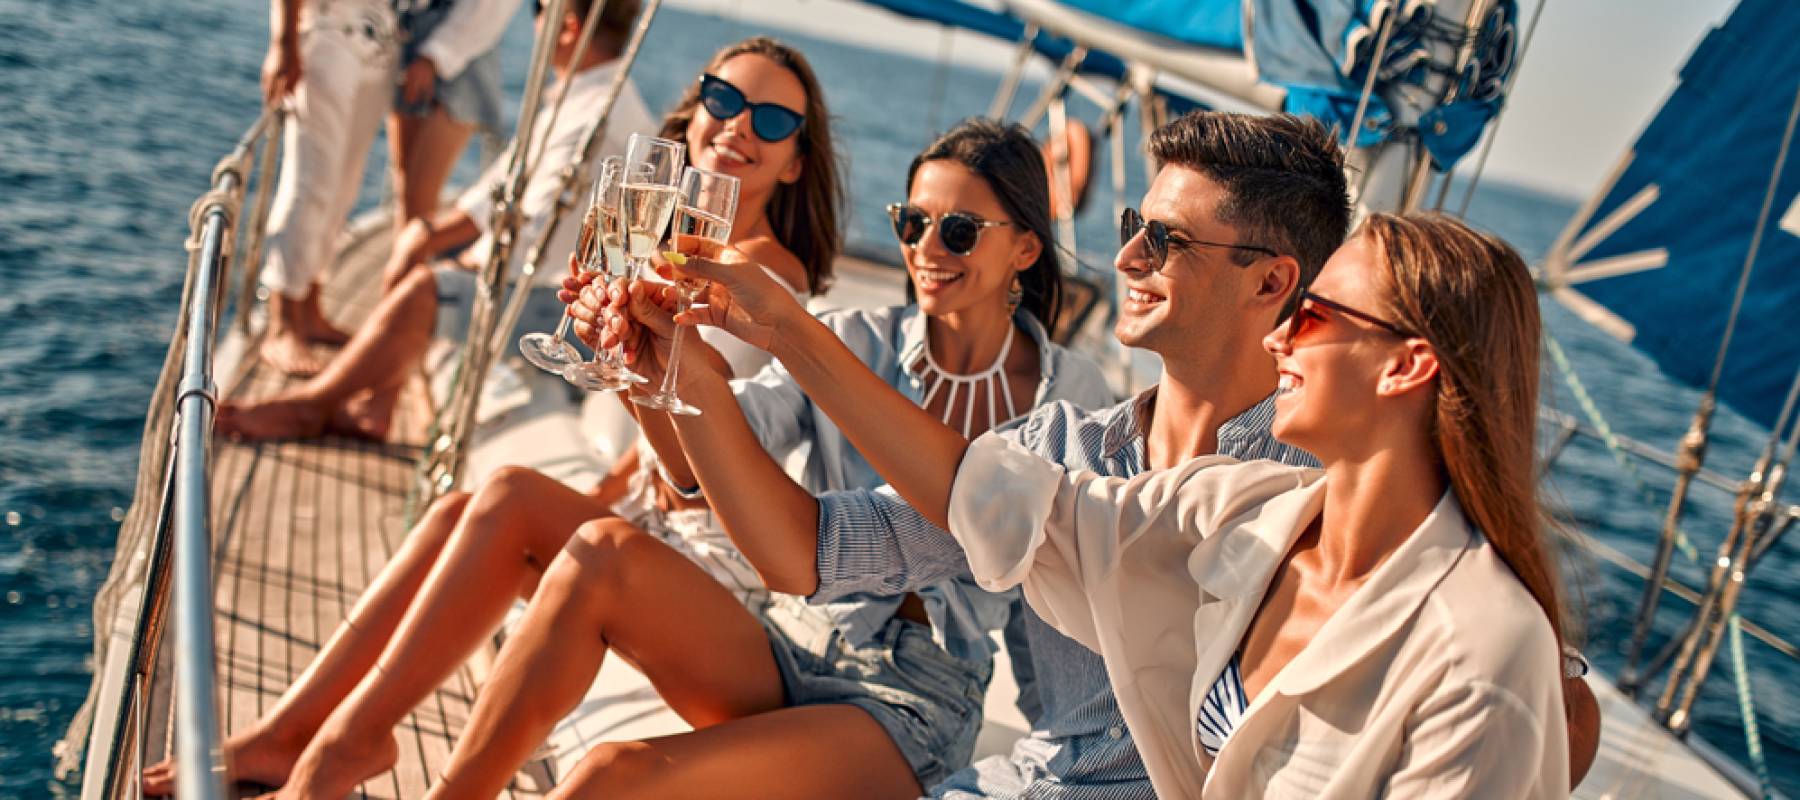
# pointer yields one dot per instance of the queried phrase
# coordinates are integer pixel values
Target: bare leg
(511, 528)
(612, 586)
(313, 324)
(514, 528)
(266, 752)
(806, 752)
(402, 129)
(378, 358)
(285, 344)
(424, 156)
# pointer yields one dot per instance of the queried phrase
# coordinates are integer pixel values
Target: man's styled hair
(1283, 178)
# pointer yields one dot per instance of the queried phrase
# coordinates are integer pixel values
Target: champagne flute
(707, 205)
(607, 371)
(646, 200)
(552, 352)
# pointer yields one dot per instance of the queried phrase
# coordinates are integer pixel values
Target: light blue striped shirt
(891, 343)
(1079, 747)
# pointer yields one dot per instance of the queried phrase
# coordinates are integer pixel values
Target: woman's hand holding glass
(637, 317)
(740, 297)
(598, 251)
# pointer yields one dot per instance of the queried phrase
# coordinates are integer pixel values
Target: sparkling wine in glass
(707, 203)
(648, 175)
(552, 352)
(602, 253)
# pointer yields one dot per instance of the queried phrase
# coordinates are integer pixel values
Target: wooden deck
(300, 528)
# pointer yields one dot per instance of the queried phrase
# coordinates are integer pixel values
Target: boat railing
(1759, 521)
(172, 543)
(500, 300)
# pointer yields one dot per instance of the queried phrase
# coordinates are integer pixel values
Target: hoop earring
(1015, 294)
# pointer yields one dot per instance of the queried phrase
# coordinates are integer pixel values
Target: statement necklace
(993, 378)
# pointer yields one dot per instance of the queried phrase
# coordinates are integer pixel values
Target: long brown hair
(804, 213)
(1470, 296)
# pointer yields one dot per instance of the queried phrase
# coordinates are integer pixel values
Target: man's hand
(281, 70)
(418, 81)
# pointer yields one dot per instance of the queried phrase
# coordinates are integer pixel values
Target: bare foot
(258, 756)
(287, 350)
(320, 331)
(274, 418)
(366, 415)
(333, 768)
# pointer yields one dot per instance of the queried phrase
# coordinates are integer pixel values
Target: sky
(1596, 72)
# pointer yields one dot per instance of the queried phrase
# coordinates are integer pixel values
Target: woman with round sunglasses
(876, 695)
(472, 555)
(1386, 626)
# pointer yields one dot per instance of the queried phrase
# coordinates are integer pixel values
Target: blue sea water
(112, 115)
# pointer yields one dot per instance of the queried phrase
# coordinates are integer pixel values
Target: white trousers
(348, 54)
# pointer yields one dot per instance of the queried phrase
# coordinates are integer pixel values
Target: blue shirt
(1079, 746)
(891, 343)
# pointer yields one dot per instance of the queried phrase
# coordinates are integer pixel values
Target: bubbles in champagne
(647, 211)
(698, 233)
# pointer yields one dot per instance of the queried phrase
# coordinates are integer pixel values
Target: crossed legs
(355, 393)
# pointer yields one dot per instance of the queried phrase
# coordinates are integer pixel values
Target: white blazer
(1438, 677)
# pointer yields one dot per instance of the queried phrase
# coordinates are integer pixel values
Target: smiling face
(730, 146)
(1196, 301)
(946, 282)
(1332, 365)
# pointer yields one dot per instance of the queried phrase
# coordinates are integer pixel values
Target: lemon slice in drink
(675, 258)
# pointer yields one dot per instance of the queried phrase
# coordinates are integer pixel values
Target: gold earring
(1015, 294)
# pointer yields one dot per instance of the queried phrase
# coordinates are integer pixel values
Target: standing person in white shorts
(336, 60)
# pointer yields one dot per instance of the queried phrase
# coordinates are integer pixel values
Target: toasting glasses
(644, 197)
(707, 204)
(605, 254)
(551, 352)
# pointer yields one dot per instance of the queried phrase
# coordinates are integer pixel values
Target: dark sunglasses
(959, 231)
(1159, 238)
(1307, 317)
(771, 122)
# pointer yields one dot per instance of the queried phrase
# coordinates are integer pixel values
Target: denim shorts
(927, 700)
(474, 96)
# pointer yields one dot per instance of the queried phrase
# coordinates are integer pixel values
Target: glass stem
(668, 384)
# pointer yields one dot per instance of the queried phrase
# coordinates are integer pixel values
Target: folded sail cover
(1320, 51)
(1709, 153)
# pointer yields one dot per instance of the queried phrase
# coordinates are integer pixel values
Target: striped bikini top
(1222, 709)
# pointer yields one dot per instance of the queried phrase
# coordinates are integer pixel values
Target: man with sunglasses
(1243, 211)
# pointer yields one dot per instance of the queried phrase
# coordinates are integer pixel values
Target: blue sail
(1708, 155)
